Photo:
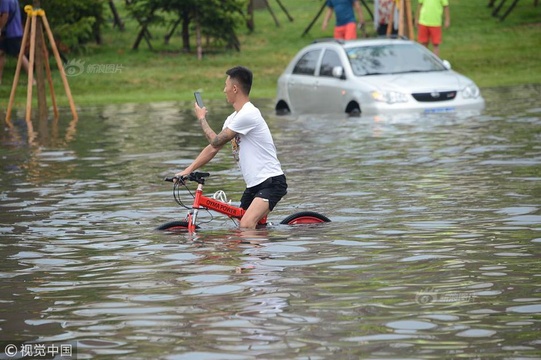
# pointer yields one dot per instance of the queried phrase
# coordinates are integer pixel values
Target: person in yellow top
(430, 15)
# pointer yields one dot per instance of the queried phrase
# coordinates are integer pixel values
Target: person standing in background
(346, 23)
(12, 33)
(429, 17)
(385, 16)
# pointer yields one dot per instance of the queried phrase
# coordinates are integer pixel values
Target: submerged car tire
(282, 112)
(175, 226)
(353, 110)
(305, 217)
(282, 108)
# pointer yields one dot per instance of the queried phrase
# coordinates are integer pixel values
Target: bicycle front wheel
(305, 217)
(175, 226)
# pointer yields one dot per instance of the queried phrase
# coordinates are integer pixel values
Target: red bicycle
(219, 203)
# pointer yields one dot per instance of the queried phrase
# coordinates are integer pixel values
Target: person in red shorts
(346, 24)
(430, 15)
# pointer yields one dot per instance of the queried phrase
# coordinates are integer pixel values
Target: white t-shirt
(253, 147)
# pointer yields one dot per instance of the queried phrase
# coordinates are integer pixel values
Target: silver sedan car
(372, 76)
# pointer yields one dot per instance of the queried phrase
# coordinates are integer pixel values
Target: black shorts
(272, 189)
(11, 46)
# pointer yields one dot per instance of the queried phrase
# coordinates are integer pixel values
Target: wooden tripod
(405, 21)
(30, 26)
(250, 23)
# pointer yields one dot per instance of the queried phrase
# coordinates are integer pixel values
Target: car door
(329, 90)
(302, 80)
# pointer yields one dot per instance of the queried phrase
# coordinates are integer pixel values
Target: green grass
(491, 52)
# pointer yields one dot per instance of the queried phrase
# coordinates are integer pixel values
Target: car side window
(330, 60)
(307, 63)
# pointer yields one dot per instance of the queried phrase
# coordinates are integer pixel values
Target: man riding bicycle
(253, 148)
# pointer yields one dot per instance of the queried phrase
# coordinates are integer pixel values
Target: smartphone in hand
(198, 99)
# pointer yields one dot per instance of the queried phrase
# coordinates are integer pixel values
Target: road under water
(433, 249)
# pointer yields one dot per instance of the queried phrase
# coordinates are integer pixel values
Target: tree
(216, 20)
(74, 22)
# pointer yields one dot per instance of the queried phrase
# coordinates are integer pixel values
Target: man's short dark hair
(243, 76)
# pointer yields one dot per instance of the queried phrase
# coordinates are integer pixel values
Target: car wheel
(353, 110)
(282, 108)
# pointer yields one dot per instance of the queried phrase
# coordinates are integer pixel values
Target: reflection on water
(433, 249)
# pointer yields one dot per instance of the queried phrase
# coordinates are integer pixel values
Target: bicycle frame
(204, 202)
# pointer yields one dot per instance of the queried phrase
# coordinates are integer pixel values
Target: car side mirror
(447, 64)
(338, 72)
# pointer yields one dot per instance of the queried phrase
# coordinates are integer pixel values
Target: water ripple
(432, 251)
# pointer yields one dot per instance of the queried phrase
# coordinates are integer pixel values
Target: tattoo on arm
(209, 133)
(215, 140)
(220, 140)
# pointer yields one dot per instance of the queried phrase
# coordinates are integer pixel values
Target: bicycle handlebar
(171, 179)
(195, 176)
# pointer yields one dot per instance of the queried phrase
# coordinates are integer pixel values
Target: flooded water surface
(433, 250)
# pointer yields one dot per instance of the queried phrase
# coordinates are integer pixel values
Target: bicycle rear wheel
(175, 226)
(305, 217)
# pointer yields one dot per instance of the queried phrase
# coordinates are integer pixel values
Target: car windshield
(392, 59)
